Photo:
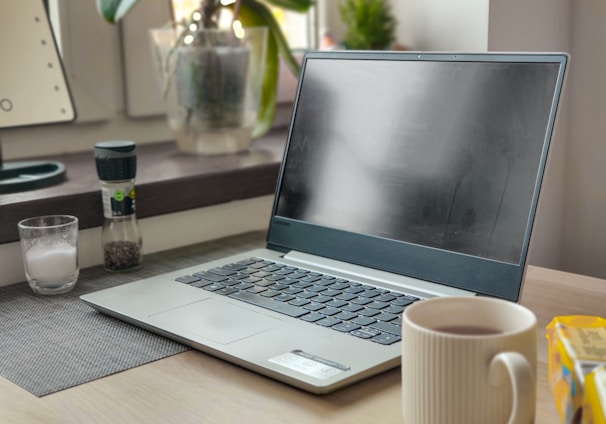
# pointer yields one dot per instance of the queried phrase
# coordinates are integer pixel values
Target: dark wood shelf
(167, 181)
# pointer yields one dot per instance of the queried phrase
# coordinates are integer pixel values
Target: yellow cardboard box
(576, 346)
(594, 399)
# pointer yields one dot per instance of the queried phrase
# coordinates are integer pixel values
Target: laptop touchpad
(216, 320)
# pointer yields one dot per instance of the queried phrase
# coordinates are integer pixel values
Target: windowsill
(167, 181)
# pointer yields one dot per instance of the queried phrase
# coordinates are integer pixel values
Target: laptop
(405, 176)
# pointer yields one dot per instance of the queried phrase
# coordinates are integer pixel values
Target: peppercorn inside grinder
(121, 238)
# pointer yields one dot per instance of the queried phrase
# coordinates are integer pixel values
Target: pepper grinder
(121, 238)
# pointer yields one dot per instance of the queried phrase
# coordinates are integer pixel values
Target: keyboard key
(250, 279)
(222, 271)
(364, 333)
(269, 293)
(310, 278)
(355, 289)
(274, 277)
(256, 289)
(213, 287)
(187, 279)
(302, 284)
(386, 339)
(361, 301)
(313, 306)
(388, 297)
(284, 297)
(299, 302)
(315, 288)
(210, 277)
(377, 305)
(258, 265)
(340, 286)
(268, 303)
(312, 317)
(386, 317)
(244, 262)
(331, 292)
(353, 308)
(322, 299)
(394, 309)
(236, 266)
(346, 296)
(306, 295)
(264, 283)
(336, 303)
(346, 327)
(363, 321)
(371, 293)
(271, 268)
(346, 316)
(368, 312)
(402, 301)
(387, 327)
(226, 291)
(328, 322)
(329, 311)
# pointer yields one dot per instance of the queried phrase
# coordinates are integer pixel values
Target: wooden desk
(195, 387)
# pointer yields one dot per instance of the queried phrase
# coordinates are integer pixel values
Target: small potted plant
(219, 83)
(370, 24)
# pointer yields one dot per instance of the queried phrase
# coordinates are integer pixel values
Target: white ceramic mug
(468, 360)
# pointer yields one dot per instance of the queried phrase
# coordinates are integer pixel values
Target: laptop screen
(441, 154)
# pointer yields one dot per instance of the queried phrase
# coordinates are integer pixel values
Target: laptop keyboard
(346, 306)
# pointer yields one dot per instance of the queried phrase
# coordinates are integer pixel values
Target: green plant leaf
(267, 17)
(255, 13)
(250, 17)
(295, 5)
(114, 10)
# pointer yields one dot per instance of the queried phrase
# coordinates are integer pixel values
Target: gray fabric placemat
(50, 343)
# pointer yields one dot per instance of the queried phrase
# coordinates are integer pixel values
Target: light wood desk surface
(195, 387)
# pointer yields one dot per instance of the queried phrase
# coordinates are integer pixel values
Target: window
(114, 86)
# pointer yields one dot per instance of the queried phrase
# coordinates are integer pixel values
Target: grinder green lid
(116, 160)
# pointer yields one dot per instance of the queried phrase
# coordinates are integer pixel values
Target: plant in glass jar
(219, 84)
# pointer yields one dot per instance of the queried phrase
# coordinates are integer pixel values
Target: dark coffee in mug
(467, 330)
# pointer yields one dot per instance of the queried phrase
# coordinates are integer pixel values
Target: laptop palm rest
(216, 320)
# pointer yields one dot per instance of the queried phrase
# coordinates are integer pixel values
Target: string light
(238, 29)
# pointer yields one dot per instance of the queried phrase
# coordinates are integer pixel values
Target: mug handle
(521, 375)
